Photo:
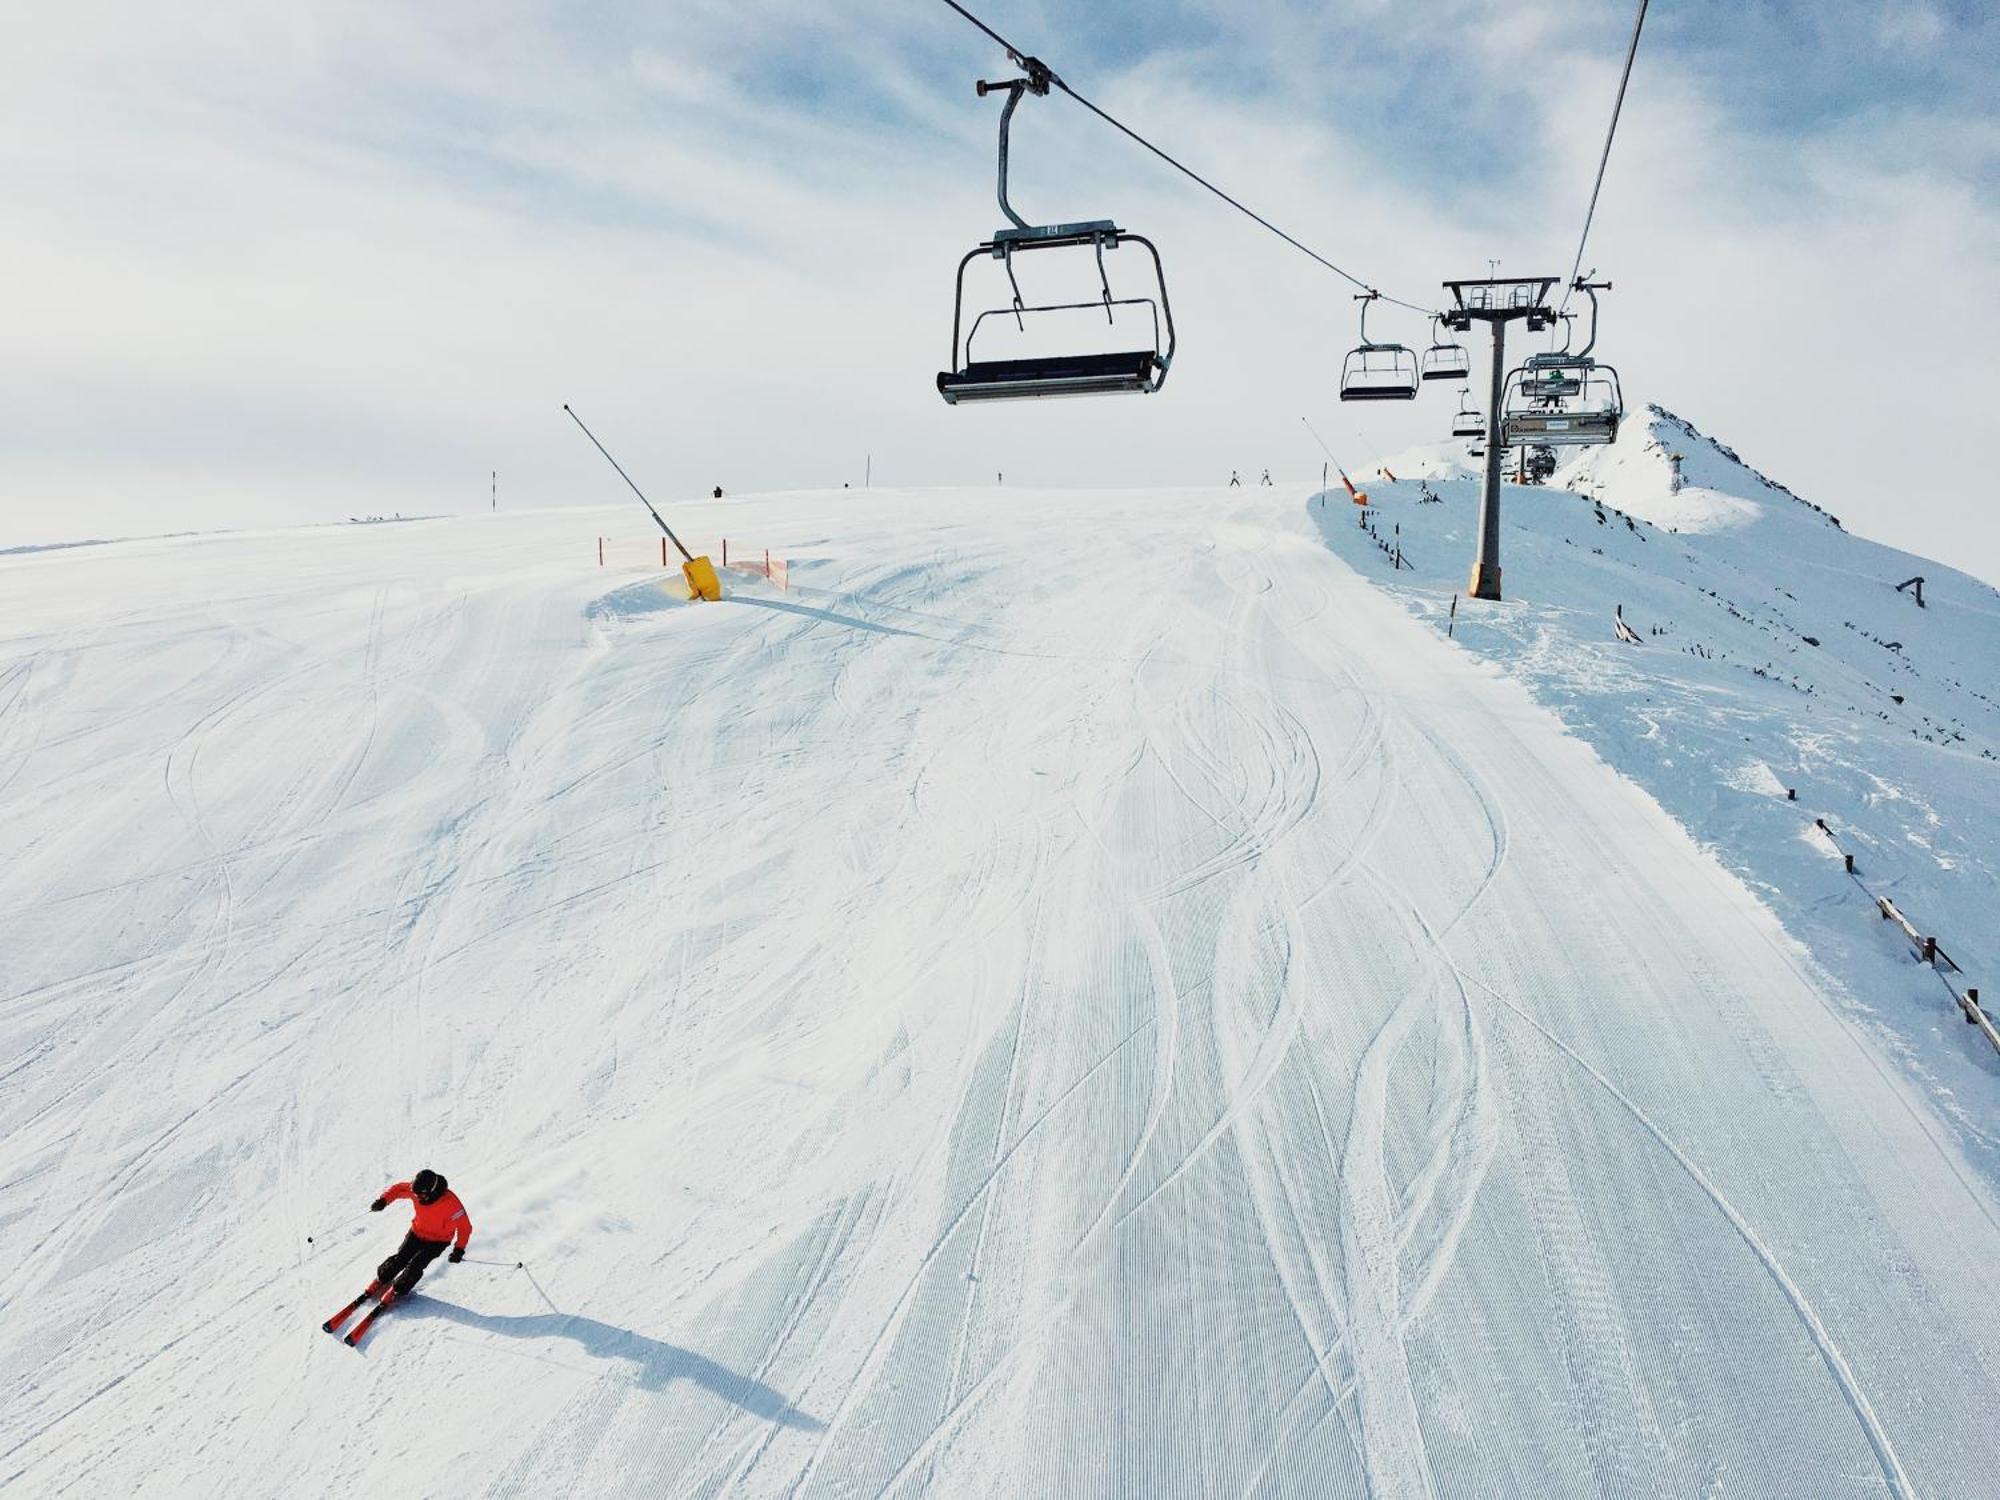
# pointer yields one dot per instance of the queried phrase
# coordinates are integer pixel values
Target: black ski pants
(406, 1267)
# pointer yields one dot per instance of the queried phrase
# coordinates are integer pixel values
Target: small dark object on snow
(718, 492)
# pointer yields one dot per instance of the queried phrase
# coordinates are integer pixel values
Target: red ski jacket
(436, 1222)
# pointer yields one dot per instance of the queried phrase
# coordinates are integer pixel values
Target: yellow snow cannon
(698, 571)
(701, 580)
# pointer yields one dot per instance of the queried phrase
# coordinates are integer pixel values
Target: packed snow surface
(1086, 994)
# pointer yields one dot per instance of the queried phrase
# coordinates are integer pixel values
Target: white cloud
(1911, 24)
(281, 264)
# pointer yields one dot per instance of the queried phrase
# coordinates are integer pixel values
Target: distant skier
(1234, 482)
(1267, 477)
(718, 492)
(440, 1219)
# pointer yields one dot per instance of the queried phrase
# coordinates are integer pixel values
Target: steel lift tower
(1496, 302)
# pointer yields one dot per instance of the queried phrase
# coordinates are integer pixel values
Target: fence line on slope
(1393, 552)
(1925, 946)
(621, 552)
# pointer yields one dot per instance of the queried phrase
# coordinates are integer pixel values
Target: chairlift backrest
(1552, 384)
(1446, 361)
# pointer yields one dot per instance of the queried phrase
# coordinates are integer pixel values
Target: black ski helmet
(427, 1186)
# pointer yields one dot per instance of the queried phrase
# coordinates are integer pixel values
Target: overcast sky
(265, 264)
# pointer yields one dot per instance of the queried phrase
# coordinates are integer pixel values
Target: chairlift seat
(1447, 362)
(1379, 372)
(1053, 375)
(1118, 372)
(1551, 387)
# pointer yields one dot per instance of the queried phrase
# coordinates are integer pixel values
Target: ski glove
(378, 1205)
(457, 1254)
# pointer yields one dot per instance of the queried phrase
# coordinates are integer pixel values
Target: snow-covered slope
(1087, 994)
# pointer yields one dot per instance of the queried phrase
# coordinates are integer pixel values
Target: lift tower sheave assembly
(1496, 302)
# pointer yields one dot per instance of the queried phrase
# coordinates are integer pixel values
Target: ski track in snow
(1004, 1018)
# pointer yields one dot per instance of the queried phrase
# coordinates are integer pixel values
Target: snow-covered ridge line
(1676, 422)
(1769, 654)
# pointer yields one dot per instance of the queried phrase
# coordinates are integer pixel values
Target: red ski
(361, 1328)
(332, 1324)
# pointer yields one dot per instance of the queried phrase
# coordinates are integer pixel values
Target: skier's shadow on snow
(656, 1364)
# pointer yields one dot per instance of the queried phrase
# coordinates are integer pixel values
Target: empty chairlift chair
(1445, 360)
(1141, 370)
(1468, 423)
(1377, 372)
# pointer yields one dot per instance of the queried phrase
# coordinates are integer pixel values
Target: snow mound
(1664, 470)
(1432, 461)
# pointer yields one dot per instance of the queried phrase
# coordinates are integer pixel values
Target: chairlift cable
(1021, 59)
(1618, 104)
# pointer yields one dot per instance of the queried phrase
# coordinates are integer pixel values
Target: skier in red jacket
(440, 1219)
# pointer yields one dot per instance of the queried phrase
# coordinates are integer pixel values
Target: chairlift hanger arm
(1037, 69)
(1590, 289)
(1037, 82)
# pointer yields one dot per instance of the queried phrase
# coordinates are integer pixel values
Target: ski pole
(521, 1266)
(337, 1224)
(540, 1292)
